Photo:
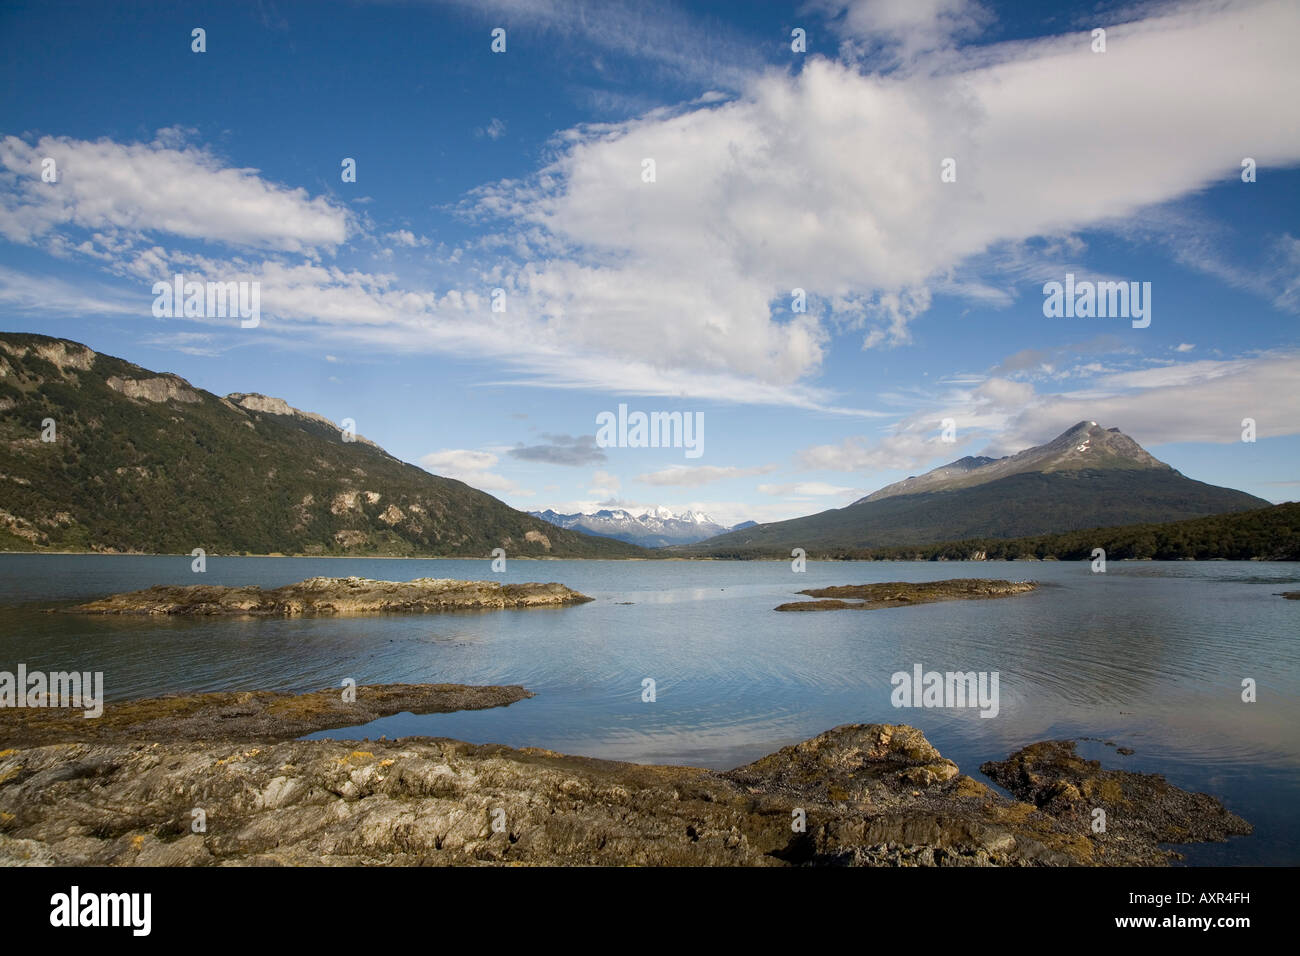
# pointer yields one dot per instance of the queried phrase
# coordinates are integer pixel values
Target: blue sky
(774, 170)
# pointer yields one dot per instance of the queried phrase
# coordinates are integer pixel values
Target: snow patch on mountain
(656, 527)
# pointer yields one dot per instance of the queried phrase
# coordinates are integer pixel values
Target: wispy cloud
(693, 476)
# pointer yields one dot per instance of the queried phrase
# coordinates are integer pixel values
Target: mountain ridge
(146, 462)
(1088, 476)
(654, 528)
(1085, 444)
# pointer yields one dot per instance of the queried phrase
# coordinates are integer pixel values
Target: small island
(333, 596)
(870, 597)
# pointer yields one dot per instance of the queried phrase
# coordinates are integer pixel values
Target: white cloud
(904, 27)
(829, 181)
(654, 32)
(902, 450)
(143, 189)
(472, 467)
(692, 476)
(1202, 401)
(806, 489)
(604, 485)
(404, 237)
(47, 295)
(493, 130)
(1193, 402)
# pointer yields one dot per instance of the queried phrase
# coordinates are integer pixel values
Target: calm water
(1149, 656)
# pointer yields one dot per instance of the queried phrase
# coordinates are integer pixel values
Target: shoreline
(127, 788)
(772, 560)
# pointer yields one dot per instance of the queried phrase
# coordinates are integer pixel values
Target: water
(1148, 655)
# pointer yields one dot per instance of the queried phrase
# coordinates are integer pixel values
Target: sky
(822, 229)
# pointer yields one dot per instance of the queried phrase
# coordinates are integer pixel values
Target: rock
(1142, 810)
(901, 593)
(244, 716)
(870, 794)
(161, 388)
(330, 596)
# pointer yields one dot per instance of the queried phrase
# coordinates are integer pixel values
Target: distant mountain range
(655, 528)
(98, 454)
(1087, 477)
(144, 461)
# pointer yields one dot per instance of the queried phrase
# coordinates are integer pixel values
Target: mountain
(656, 528)
(144, 461)
(1085, 446)
(1087, 477)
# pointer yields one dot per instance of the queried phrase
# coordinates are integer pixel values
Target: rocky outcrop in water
(331, 596)
(246, 716)
(158, 784)
(868, 597)
(1140, 810)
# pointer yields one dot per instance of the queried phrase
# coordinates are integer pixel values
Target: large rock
(1140, 810)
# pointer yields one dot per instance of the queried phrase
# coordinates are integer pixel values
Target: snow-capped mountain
(656, 528)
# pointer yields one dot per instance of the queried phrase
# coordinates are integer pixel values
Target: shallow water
(1149, 655)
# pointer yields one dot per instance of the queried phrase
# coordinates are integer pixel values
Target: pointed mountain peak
(1085, 445)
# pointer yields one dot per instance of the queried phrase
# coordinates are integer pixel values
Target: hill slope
(1264, 534)
(1087, 477)
(147, 462)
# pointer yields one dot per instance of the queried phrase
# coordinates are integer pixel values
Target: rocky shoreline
(869, 597)
(132, 787)
(333, 596)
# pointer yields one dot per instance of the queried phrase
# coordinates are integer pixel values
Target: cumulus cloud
(699, 264)
(825, 180)
(156, 188)
(472, 467)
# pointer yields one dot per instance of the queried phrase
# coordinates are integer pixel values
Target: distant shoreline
(754, 560)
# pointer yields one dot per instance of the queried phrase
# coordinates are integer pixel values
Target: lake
(1149, 655)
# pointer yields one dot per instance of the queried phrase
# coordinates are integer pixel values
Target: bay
(1149, 655)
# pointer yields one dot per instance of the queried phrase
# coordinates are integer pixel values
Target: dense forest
(1268, 534)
